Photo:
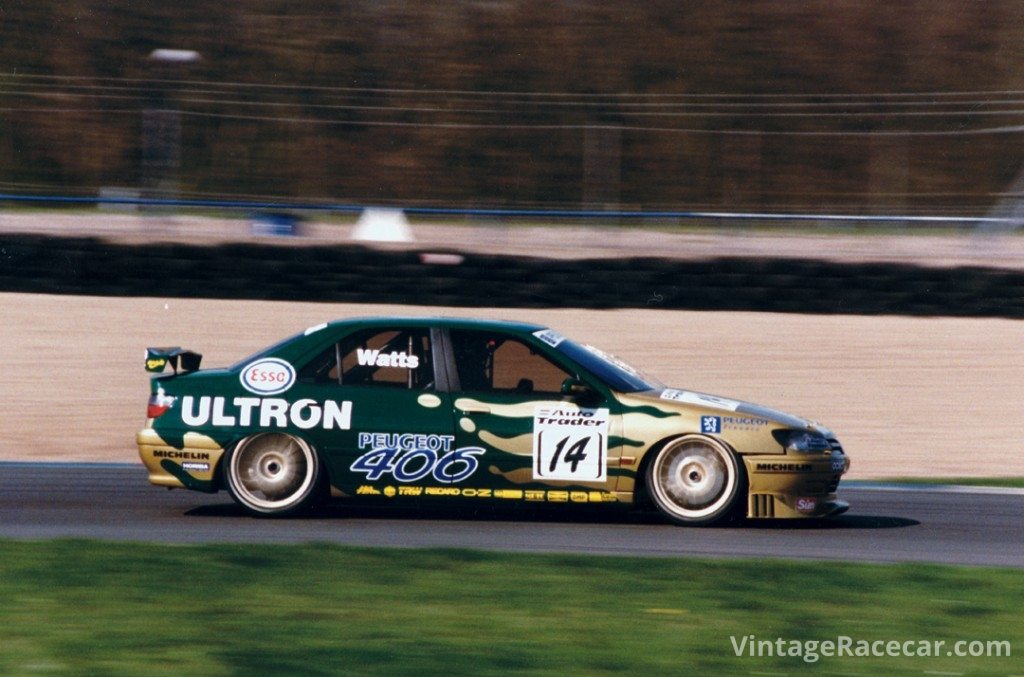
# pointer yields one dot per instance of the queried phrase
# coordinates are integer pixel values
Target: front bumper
(789, 486)
(194, 466)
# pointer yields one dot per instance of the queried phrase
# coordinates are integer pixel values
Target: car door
(538, 444)
(401, 425)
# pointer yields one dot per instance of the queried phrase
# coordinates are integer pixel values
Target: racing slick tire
(696, 481)
(273, 474)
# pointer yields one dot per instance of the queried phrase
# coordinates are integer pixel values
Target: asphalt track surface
(115, 502)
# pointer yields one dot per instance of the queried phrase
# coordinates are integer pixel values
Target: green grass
(100, 608)
(1011, 482)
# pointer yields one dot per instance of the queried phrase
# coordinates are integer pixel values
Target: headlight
(801, 441)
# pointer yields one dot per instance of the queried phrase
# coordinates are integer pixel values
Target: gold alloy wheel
(694, 480)
(273, 473)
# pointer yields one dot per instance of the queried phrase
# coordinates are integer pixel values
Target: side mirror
(574, 387)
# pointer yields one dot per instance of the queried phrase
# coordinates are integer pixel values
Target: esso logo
(268, 376)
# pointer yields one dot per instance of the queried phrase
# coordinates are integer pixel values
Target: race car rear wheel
(695, 480)
(273, 474)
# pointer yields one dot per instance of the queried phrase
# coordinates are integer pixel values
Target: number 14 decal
(570, 443)
(570, 457)
(573, 456)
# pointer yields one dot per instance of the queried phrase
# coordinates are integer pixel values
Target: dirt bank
(907, 396)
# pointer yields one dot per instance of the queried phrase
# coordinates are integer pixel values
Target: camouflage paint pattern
(196, 417)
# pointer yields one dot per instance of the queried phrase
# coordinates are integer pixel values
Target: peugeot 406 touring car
(467, 410)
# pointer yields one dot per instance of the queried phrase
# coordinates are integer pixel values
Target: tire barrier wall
(347, 273)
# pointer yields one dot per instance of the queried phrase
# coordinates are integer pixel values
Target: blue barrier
(506, 213)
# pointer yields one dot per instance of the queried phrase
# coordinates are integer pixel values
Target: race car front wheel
(273, 474)
(695, 480)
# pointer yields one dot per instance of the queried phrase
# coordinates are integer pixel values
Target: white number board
(570, 443)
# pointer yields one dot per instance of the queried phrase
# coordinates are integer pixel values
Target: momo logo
(369, 357)
(269, 376)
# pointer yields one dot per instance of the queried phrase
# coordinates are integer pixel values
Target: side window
(394, 358)
(495, 362)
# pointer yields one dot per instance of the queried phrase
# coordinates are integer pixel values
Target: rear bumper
(194, 466)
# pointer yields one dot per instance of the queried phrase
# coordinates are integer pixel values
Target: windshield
(610, 369)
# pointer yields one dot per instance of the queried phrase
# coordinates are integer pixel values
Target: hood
(715, 402)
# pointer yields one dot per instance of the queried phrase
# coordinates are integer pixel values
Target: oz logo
(711, 424)
(570, 444)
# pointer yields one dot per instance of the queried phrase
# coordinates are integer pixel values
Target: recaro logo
(269, 376)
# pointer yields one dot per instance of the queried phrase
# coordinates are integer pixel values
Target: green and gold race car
(399, 409)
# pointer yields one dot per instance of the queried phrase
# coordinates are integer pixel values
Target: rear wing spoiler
(180, 360)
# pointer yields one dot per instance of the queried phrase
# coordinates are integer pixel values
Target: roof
(449, 322)
(295, 347)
